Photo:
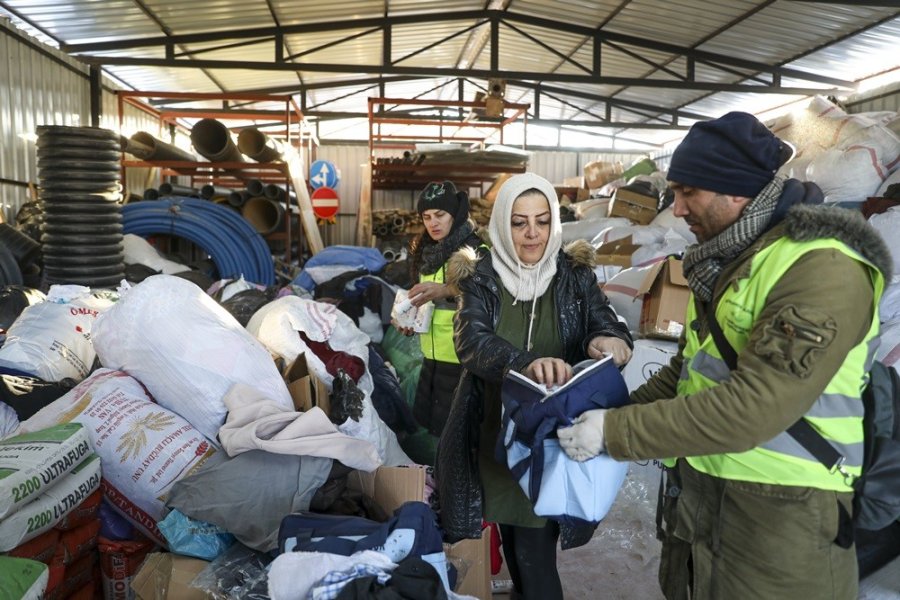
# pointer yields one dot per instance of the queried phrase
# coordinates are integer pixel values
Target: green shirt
(504, 500)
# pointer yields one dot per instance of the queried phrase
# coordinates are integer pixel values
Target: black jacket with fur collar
(584, 313)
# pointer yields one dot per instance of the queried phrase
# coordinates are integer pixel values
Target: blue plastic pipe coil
(232, 243)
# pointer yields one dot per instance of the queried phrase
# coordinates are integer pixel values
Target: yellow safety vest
(836, 414)
(437, 342)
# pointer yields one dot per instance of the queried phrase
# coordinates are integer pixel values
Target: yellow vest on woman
(836, 414)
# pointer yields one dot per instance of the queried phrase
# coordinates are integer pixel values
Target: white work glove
(584, 439)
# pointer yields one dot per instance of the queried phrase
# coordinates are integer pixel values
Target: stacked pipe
(395, 223)
(81, 240)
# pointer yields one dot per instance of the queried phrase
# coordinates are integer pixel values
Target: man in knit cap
(780, 329)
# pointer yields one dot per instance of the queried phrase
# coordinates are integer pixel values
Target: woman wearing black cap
(445, 214)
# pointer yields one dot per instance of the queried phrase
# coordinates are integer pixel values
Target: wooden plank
(307, 218)
(364, 214)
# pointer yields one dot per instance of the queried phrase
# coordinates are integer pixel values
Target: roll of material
(212, 139)
(258, 146)
(235, 247)
(209, 191)
(264, 214)
(173, 189)
(146, 147)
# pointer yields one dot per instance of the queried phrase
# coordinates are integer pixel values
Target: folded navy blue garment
(412, 531)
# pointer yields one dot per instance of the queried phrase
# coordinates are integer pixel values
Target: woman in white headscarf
(531, 307)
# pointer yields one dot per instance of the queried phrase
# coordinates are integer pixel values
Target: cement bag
(32, 463)
(276, 325)
(52, 506)
(22, 578)
(52, 340)
(887, 224)
(146, 333)
(139, 251)
(850, 175)
(145, 448)
(624, 296)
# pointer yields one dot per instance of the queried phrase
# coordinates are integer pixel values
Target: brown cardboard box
(617, 252)
(473, 567)
(574, 194)
(598, 173)
(166, 576)
(665, 306)
(493, 107)
(390, 487)
(306, 389)
(639, 208)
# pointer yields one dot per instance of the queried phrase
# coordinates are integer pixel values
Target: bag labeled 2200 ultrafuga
(32, 463)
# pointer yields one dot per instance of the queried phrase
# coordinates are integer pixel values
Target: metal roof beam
(496, 17)
(427, 71)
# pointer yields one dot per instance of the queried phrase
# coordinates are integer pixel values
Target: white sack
(887, 224)
(666, 218)
(850, 175)
(894, 178)
(588, 229)
(139, 251)
(276, 325)
(889, 350)
(889, 308)
(52, 339)
(186, 348)
(145, 448)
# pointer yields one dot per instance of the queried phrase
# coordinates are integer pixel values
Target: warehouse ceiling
(634, 71)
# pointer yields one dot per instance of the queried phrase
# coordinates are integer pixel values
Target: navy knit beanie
(443, 195)
(734, 154)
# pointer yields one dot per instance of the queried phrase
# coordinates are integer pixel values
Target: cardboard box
(617, 252)
(629, 204)
(166, 576)
(665, 304)
(390, 487)
(648, 357)
(493, 107)
(573, 194)
(306, 389)
(576, 182)
(598, 173)
(473, 567)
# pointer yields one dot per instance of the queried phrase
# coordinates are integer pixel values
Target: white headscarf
(524, 282)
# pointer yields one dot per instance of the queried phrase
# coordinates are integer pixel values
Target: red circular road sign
(325, 202)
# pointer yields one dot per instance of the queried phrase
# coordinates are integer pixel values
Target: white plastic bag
(52, 339)
(276, 325)
(407, 315)
(186, 348)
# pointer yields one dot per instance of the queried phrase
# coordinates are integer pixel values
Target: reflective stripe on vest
(437, 342)
(836, 414)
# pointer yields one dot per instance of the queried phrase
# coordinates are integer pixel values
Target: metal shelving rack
(296, 133)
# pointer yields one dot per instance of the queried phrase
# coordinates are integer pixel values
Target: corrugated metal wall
(350, 159)
(45, 87)
(878, 102)
(35, 89)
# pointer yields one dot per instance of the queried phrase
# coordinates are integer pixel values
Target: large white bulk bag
(186, 348)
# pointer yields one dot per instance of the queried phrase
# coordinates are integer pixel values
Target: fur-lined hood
(806, 222)
(464, 261)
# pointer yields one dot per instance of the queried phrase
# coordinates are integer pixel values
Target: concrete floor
(621, 561)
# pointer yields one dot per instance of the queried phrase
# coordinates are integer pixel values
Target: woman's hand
(549, 371)
(407, 331)
(602, 346)
(427, 291)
